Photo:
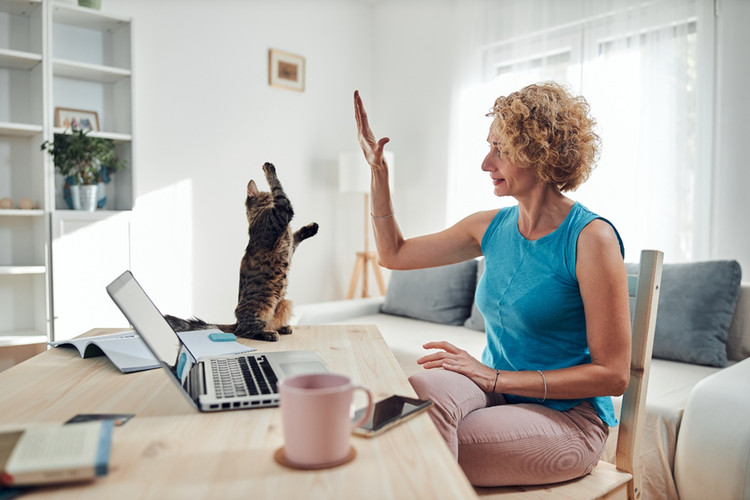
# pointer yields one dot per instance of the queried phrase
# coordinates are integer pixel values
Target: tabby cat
(262, 311)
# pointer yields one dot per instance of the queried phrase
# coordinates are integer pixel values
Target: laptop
(211, 383)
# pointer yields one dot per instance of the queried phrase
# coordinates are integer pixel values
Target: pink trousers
(502, 444)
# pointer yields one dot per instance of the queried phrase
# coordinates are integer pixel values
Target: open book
(55, 453)
(126, 350)
(129, 354)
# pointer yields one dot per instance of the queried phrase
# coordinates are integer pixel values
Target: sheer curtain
(646, 69)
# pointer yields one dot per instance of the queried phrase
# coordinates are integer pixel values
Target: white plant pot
(88, 198)
(75, 196)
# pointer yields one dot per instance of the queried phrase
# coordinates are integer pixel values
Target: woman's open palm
(372, 148)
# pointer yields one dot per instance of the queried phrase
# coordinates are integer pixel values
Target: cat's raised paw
(267, 335)
(269, 169)
(310, 229)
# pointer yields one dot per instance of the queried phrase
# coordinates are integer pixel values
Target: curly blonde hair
(544, 127)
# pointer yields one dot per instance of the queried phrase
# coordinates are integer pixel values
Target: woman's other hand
(457, 360)
(372, 148)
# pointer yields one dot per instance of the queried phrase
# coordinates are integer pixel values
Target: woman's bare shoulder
(597, 233)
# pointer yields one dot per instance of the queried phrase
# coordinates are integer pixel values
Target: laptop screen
(145, 318)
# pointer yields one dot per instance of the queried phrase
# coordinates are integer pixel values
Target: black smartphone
(389, 412)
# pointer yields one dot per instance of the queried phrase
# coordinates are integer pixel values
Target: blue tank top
(532, 305)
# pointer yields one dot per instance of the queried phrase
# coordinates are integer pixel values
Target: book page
(81, 343)
(128, 354)
(49, 448)
(126, 350)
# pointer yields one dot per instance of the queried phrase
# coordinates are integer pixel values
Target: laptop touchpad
(301, 368)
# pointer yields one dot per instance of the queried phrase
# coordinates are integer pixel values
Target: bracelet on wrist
(544, 379)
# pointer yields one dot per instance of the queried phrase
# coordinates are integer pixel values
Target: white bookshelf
(22, 270)
(19, 129)
(91, 72)
(58, 55)
(16, 59)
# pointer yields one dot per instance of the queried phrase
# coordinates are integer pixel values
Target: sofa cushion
(696, 305)
(406, 336)
(738, 342)
(476, 320)
(440, 294)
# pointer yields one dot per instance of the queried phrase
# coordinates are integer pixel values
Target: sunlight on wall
(164, 224)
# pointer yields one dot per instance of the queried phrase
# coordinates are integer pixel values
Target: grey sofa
(696, 439)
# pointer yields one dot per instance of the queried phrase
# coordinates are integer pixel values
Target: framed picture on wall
(78, 118)
(286, 70)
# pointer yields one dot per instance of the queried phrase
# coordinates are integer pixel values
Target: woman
(536, 408)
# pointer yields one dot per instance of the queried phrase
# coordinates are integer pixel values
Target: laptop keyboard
(243, 376)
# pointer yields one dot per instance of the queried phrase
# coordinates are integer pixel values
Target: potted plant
(83, 160)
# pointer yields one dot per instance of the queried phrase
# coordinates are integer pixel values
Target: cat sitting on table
(262, 310)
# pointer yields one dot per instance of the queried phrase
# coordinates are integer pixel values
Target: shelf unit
(58, 55)
(24, 256)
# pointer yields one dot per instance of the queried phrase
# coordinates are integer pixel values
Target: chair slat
(634, 399)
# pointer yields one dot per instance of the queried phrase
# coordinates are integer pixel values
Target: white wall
(206, 120)
(731, 195)
(413, 83)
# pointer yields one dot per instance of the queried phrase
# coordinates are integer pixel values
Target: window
(637, 64)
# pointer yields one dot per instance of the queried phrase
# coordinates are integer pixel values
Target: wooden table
(169, 450)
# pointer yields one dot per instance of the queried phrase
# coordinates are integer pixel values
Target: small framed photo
(78, 118)
(286, 70)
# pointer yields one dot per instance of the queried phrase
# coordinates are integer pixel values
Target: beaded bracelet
(383, 216)
(545, 387)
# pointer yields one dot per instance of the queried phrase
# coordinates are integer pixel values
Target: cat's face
(256, 202)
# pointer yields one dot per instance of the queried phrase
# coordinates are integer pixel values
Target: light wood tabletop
(170, 450)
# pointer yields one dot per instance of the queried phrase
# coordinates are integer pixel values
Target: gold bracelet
(383, 216)
(497, 372)
(544, 379)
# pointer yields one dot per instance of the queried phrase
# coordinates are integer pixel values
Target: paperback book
(55, 453)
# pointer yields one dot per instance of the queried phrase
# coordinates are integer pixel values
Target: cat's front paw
(310, 229)
(267, 335)
(269, 170)
(285, 330)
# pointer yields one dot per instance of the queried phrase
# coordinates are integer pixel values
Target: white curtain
(645, 68)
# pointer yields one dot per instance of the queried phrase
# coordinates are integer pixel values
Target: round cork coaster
(280, 457)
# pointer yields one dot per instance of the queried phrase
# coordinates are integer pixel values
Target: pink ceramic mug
(315, 414)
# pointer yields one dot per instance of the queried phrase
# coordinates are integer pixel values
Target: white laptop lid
(141, 312)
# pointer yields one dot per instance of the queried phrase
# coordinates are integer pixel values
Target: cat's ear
(252, 189)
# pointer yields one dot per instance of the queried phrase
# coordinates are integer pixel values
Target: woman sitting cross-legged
(554, 295)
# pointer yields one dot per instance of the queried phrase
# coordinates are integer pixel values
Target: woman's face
(508, 179)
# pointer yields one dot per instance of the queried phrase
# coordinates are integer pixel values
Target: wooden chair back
(645, 288)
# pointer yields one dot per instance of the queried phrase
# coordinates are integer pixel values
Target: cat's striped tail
(188, 325)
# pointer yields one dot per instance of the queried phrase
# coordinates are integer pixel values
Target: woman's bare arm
(456, 244)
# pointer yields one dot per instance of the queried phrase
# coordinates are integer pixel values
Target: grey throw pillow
(696, 305)
(440, 294)
(476, 320)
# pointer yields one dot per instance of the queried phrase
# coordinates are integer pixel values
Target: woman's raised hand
(372, 148)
